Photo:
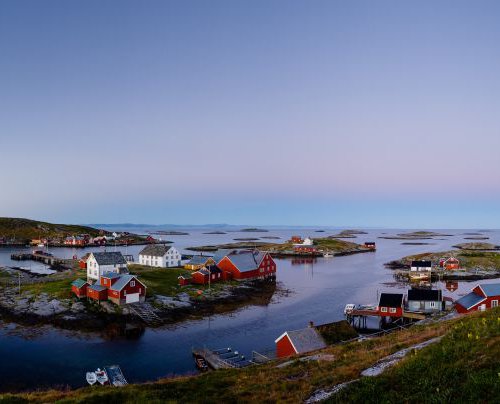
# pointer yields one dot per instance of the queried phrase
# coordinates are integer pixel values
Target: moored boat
(91, 378)
(101, 376)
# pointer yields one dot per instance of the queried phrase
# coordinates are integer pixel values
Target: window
(494, 303)
(132, 284)
(392, 310)
(383, 309)
(433, 305)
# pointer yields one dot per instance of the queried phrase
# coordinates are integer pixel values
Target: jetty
(44, 257)
(224, 358)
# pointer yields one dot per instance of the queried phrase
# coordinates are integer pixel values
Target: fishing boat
(101, 376)
(91, 378)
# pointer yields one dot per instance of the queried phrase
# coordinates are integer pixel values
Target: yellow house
(198, 262)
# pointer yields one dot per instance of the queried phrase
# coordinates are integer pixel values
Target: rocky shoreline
(113, 321)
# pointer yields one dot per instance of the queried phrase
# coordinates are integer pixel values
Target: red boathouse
(482, 297)
(391, 305)
(243, 265)
(79, 288)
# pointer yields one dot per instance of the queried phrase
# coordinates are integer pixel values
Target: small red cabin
(79, 288)
(127, 289)
(296, 240)
(299, 341)
(184, 281)
(390, 305)
(206, 275)
(97, 292)
(305, 249)
(371, 245)
(482, 297)
(450, 264)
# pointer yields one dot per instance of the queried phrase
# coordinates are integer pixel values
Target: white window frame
(392, 310)
(383, 309)
(494, 303)
(132, 284)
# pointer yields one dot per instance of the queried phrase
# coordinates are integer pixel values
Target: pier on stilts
(224, 358)
(358, 317)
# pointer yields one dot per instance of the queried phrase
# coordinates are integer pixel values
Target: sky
(338, 113)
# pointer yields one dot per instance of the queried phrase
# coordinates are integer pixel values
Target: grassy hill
(485, 260)
(462, 367)
(26, 229)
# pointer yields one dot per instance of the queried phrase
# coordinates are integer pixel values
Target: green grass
(59, 288)
(488, 260)
(160, 281)
(463, 367)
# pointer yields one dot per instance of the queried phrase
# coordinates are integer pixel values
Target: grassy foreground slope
(464, 367)
(26, 229)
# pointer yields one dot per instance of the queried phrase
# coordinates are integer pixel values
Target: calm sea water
(49, 357)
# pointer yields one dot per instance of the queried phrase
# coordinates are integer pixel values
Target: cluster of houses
(228, 265)
(108, 279)
(446, 263)
(306, 246)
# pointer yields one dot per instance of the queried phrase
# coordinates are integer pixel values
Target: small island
(417, 235)
(477, 246)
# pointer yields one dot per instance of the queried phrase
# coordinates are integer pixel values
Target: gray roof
(491, 289)
(97, 287)
(306, 340)
(199, 260)
(78, 283)
(246, 261)
(122, 282)
(470, 300)
(155, 250)
(109, 258)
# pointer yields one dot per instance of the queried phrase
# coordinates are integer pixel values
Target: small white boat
(41, 245)
(91, 378)
(327, 255)
(101, 376)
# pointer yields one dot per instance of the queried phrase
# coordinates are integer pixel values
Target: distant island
(477, 246)
(417, 235)
(254, 230)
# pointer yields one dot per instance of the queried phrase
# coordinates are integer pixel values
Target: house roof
(391, 300)
(109, 258)
(156, 250)
(111, 275)
(421, 263)
(97, 287)
(79, 283)
(427, 295)
(246, 261)
(123, 281)
(305, 340)
(470, 300)
(491, 289)
(199, 260)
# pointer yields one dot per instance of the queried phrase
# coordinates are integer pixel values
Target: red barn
(391, 305)
(299, 341)
(79, 288)
(243, 265)
(125, 290)
(97, 292)
(451, 264)
(482, 297)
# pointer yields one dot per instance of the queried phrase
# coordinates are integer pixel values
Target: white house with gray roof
(99, 263)
(160, 255)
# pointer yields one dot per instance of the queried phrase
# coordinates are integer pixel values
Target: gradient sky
(347, 113)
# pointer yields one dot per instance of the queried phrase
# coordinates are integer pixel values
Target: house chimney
(311, 324)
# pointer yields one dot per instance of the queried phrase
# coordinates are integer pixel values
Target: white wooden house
(99, 263)
(160, 255)
(421, 266)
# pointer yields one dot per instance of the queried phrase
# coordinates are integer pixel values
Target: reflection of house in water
(452, 285)
(303, 260)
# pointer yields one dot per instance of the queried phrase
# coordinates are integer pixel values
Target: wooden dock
(358, 317)
(224, 358)
(46, 258)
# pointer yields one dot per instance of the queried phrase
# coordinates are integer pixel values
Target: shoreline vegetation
(336, 373)
(324, 244)
(475, 265)
(49, 301)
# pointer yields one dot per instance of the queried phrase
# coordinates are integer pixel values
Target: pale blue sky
(355, 113)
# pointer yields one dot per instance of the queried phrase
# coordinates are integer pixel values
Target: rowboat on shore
(91, 378)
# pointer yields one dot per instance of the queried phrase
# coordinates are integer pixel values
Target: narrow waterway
(319, 291)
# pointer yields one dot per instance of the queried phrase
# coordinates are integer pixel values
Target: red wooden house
(97, 292)
(482, 297)
(371, 245)
(79, 288)
(450, 264)
(296, 240)
(205, 275)
(390, 305)
(184, 281)
(299, 341)
(125, 289)
(243, 265)
(305, 249)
